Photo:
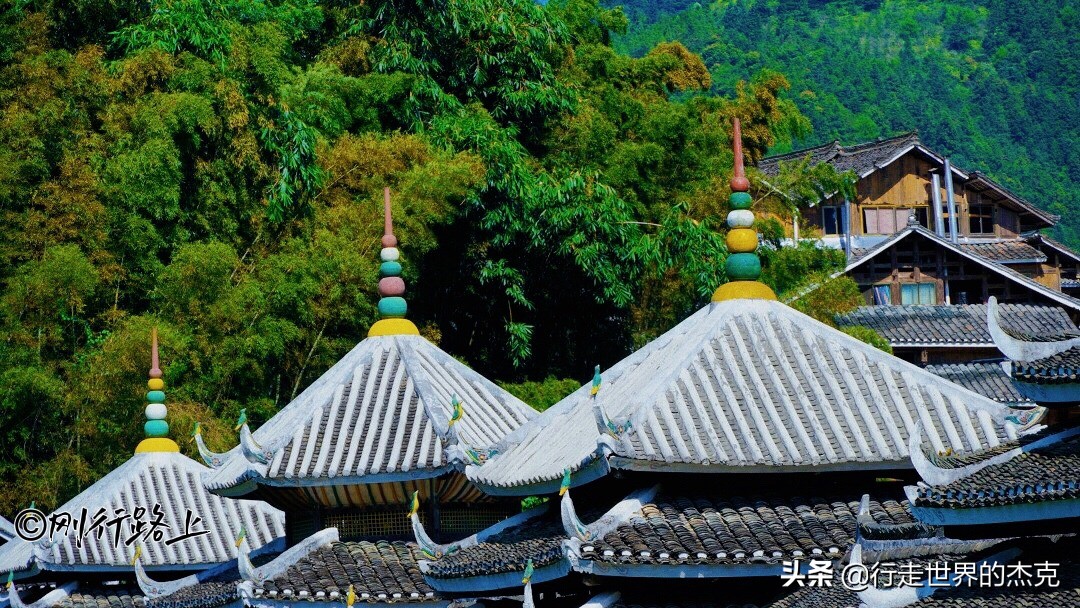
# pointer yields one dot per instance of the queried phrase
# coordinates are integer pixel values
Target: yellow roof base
(156, 444)
(393, 327)
(738, 290)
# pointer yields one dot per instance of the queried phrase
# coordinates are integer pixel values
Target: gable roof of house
(1039, 240)
(866, 158)
(743, 386)
(863, 159)
(917, 231)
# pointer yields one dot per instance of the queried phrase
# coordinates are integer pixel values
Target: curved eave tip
(393, 327)
(156, 444)
(743, 290)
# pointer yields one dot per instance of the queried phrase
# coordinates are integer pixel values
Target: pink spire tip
(739, 183)
(388, 239)
(155, 367)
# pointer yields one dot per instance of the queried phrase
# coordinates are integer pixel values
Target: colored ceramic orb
(742, 240)
(389, 254)
(155, 384)
(393, 327)
(391, 286)
(155, 397)
(156, 411)
(393, 307)
(740, 184)
(389, 240)
(743, 267)
(743, 290)
(156, 428)
(390, 269)
(740, 218)
(740, 200)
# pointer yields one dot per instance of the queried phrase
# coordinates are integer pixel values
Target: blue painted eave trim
(1000, 514)
(502, 580)
(684, 571)
(357, 480)
(592, 471)
(261, 602)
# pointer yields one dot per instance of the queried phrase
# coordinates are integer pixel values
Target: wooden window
(832, 220)
(981, 219)
(918, 294)
(1009, 221)
(882, 295)
(889, 220)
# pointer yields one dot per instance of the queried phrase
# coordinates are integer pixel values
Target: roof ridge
(849, 149)
(1002, 269)
(834, 144)
(908, 137)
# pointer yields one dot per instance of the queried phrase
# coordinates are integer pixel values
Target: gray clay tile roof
(957, 325)
(168, 479)
(1011, 251)
(1065, 595)
(1062, 368)
(210, 594)
(380, 572)
(673, 598)
(1044, 473)
(7, 530)
(956, 461)
(380, 414)
(677, 603)
(739, 530)
(104, 597)
(729, 387)
(537, 539)
(988, 379)
(863, 158)
(1040, 240)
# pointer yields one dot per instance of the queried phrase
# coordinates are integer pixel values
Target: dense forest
(214, 168)
(991, 82)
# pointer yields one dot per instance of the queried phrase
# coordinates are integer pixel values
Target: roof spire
(156, 428)
(743, 265)
(392, 306)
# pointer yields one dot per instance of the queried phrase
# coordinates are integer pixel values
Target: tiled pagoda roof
(729, 389)
(960, 325)
(381, 414)
(168, 479)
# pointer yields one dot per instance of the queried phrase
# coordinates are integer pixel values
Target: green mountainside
(215, 168)
(993, 83)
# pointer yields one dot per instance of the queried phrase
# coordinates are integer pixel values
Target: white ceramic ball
(389, 254)
(155, 411)
(740, 218)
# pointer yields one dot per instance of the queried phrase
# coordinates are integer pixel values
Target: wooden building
(902, 183)
(897, 177)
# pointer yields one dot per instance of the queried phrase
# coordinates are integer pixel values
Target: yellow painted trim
(156, 444)
(156, 384)
(742, 240)
(739, 290)
(393, 327)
